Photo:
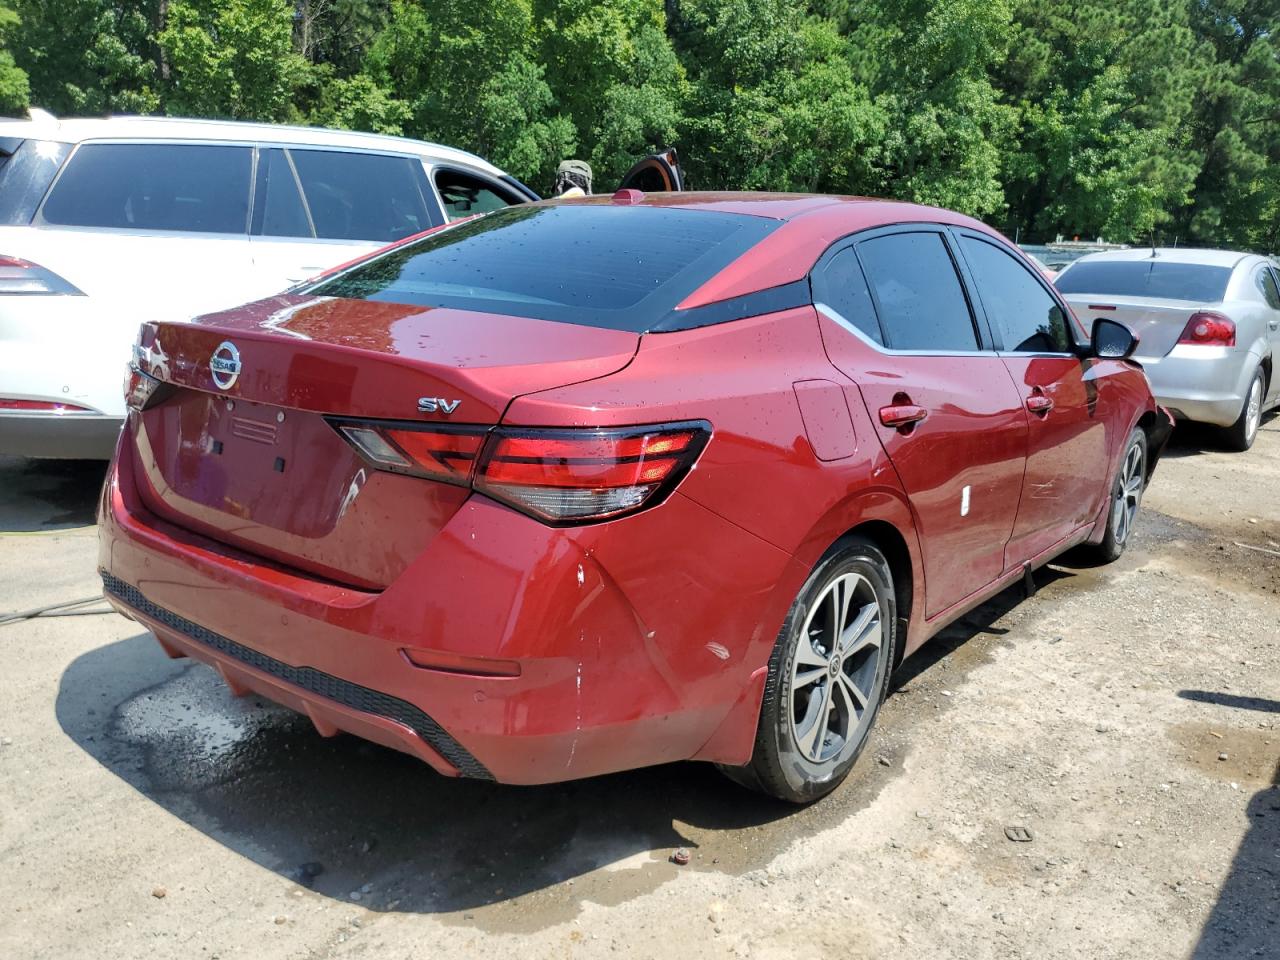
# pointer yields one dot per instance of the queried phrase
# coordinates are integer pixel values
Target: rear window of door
(1024, 314)
(363, 196)
(464, 195)
(182, 188)
(1267, 284)
(921, 303)
(842, 286)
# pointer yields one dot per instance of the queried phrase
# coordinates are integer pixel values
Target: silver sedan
(1207, 322)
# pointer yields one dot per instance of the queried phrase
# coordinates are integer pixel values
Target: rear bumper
(624, 654)
(59, 437)
(1204, 384)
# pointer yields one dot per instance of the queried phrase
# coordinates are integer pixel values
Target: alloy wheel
(1128, 494)
(835, 668)
(1253, 412)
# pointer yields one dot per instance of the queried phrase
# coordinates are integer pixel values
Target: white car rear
(1207, 322)
(108, 223)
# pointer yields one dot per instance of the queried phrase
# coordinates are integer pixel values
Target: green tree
(231, 58)
(1103, 91)
(1236, 125)
(466, 74)
(15, 90)
(774, 102)
(615, 74)
(87, 56)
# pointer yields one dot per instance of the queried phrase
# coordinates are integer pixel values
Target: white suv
(108, 223)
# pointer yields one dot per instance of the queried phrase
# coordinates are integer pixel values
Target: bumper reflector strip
(307, 678)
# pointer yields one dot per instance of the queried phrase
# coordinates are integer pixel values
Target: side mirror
(1111, 340)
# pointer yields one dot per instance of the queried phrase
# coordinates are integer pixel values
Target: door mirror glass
(1111, 340)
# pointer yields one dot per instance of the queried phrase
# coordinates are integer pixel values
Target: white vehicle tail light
(41, 406)
(558, 476)
(1209, 329)
(21, 277)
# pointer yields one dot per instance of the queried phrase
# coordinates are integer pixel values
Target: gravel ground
(1126, 718)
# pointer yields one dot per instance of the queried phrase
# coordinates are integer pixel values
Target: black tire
(854, 568)
(1241, 434)
(1118, 532)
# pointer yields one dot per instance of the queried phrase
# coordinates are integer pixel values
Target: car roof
(78, 130)
(775, 206)
(1206, 257)
(811, 223)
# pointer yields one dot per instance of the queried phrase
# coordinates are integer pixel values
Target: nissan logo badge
(225, 365)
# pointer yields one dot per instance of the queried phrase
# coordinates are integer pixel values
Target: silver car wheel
(1128, 495)
(835, 668)
(1253, 410)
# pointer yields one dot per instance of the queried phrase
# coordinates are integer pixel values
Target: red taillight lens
(445, 455)
(568, 476)
(558, 476)
(42, 406)
(19, 276)
(1209, 329)
(440, 456)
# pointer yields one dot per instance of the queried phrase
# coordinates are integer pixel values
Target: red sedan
(583, 486)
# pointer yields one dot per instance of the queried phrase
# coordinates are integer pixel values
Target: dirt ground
(1128, 717)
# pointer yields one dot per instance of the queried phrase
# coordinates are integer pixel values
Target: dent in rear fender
(661, 613)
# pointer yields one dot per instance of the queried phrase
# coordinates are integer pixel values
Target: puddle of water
(197, 708)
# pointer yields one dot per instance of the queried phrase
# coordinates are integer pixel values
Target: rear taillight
(567, 476)
(139, 388)
(558, 476)
(447, 455)
(25, 278)
(1209, 329)
(41, 406)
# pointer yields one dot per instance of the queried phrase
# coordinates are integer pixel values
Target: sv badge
(437, 405)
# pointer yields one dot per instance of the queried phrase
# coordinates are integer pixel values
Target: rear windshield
(1147, 278)
(623, 268)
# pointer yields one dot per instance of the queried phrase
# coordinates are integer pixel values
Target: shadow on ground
(342, 816)
(42, 495)
(1245, 921)
(1191, 439)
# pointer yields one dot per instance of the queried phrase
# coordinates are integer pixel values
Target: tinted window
(922, 305)
(844, 289)
(154, 186)
(464, 195)
(277, 203)
(1267, 284)
(26, 176)
(1027, 318)
(362, 196)
(600, 265)
(1195, 282)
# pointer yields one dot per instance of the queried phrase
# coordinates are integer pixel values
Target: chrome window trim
(835, 317)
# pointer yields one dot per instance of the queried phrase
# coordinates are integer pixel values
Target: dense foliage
(1119, 118)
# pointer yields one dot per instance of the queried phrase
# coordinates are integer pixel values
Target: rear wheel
(827, 677)
(1126, 497)
(1241, 434)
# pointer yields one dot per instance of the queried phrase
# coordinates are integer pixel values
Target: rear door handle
(1039, 403)
(902, 415)
(1273, 324)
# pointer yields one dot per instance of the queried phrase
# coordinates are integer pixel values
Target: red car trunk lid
(250, 460)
